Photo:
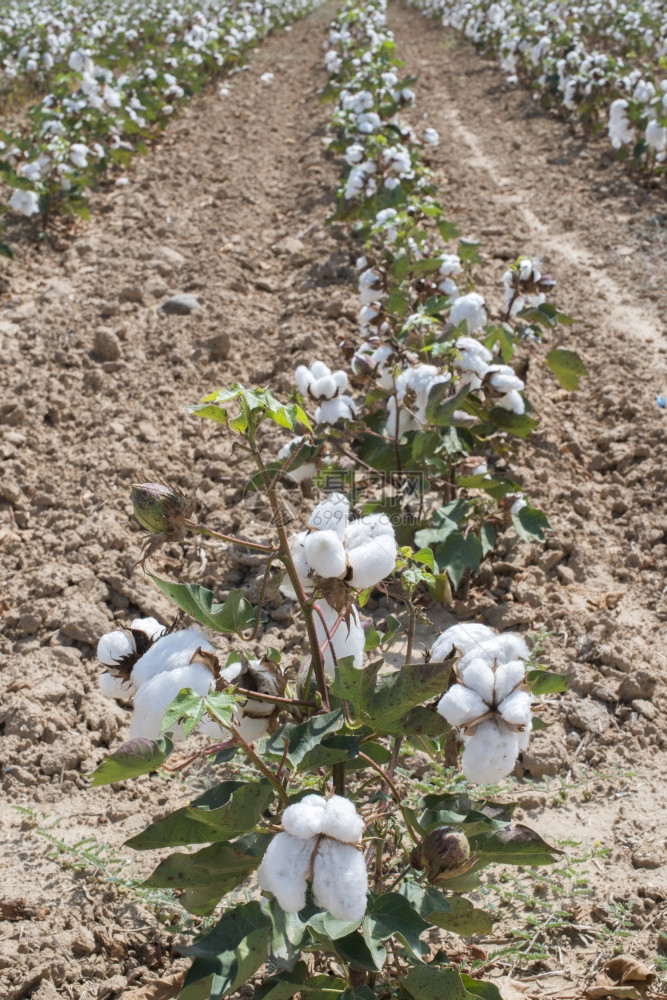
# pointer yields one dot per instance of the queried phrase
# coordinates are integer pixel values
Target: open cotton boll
(515, 709)
(300, 559)
(151, 626)
(460, 705)
(503, 379)
(478, 676)
(304, 819)
(371, 560)
(508, 675)
(512, 401)
(490, 753)
(284, 870)
(325, 553)
(464, 637)
(340, 880)
(116, 687)
(170, 652)
(347, 640)
(331, 514)
(113, 646)
(341, 820)
(332, 410)
(153, 697)
(469, 309)
(498, 648)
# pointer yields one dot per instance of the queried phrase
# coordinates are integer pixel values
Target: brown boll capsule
(444, 852)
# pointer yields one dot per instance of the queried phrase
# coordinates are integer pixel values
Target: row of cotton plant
(314, 803)
(429, 398)
(602, 63)
(111, 96)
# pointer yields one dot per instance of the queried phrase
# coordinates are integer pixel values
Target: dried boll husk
(444, 853)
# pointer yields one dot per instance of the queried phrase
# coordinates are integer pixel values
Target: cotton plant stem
(261, 766)
(199, 529)
(260, 602)
(275, 699)
(286, 557)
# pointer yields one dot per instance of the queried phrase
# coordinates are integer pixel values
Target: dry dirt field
(231, 208)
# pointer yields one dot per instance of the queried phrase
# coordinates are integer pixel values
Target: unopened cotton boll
(490, 753)
(171, 652)
(340, 880)
(464, 637)
(325, 553)
(341, 820)
(460, 706)
(304, 819)
(347, 640)
(285, 868)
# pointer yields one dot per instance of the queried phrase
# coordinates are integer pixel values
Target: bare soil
(231, 208)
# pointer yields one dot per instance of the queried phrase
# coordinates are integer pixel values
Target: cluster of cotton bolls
(500, 381)
(551, 45)
(355, 554)
(150, 665)
(327, 389)
(318, 845)
(76, 128)
(490, 706)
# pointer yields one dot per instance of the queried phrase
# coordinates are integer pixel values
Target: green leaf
(224, 811)
(422, 721)
(426, 983)
(457, 554)
(304, 738)
(392, 915)
(515, 844)
(521, 425)
(355, 686)
(185, 710)
(231, 952)
(133, 758)
(5, 251)
(567, 367)
(209, 873)
(209, 411)
(234, 615)
(332, 750)
(464, 919)
(503, 335)
(397, 693)
(468, 250)
(428, 265)
(487, 537)
(530, 524)
(355, 951)
(546, 682)
(322, 987)
(478, 988)
(441, 404)
(284, 986)
(400, 266)
(448, 230)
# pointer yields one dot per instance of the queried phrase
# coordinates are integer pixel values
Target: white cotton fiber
(170, 652)
(304, 819)
(460, 705)
(325, 553)
(341, 820)
(151, 626)
(116, 687)
(284, 870)
(371, 561)
(300, 560)
(499, 649)
(508, 675)
(490, 753)
(347, 640)
(478, 676)
(464, 637)
(113, 646)
(515, 709)
(330, 411)
(153, 697)
(323, 388)
(340, 880)
(331, 514)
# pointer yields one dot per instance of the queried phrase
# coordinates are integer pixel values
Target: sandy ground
(231, 208)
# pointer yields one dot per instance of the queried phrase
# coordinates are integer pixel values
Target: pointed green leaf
(546, 682)
(530, 524)
(521, 425)
(479, 988)
(441, 403)
(133, 758)
(284, 986)
(458, 553)
(392, 915)
(397, 693)
(427, 983)
(567, 367)
(355, 686)
(224, 811)
(234, 615)
(304, 738)
(231, 952)
(516, 844)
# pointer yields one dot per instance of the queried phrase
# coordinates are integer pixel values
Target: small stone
(180, 305)
(112, 988)
(619, 507)
(146, 431)
(648, 857)
(171, 256)
(106, 346)
(108, 309)
(638, 684)
(117, 428)
(290, 246)
(131, 293)
(218, 346)
(156, 287)
(565, 575)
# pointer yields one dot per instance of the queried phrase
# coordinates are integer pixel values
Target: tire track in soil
(516, 179)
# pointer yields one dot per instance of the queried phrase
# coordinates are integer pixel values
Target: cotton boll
(113, 646)
(115, 687)
(170, 652)
(490, 753)
(300, 559)
(252, 729)
(508, 676)
(460, 705)
(331, 514)
(503, 379)
(512, 401)
(153, 697)
(469, 309)
(515, 709)
(325, 553)
(347, 640)
(284, 870)
(342, 821)
(371, 561)
(464, 637)
(499, 649)
(340, 880)
(333, 410)
(304, 819)
(151, 626)
(478, 676)
(323, 388)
